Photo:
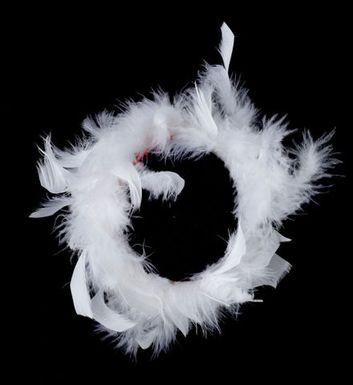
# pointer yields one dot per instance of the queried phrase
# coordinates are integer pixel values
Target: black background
(62, 65)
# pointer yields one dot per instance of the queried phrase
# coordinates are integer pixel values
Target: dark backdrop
(64, 65)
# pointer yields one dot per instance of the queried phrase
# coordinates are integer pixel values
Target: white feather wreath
(101, 182)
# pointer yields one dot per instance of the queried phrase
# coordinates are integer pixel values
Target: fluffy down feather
(101, 182)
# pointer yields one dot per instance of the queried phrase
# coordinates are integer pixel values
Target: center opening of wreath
(185, 236)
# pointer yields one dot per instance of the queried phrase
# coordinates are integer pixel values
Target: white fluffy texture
(101, 183)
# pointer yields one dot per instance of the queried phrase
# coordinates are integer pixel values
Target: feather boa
(101, 181)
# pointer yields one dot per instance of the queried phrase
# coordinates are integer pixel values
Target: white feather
(52, 176)
(226, 46)
(164, 183)
(203, 111)
(51, 207)
(234, 253)
(79, 290)
(107, 317)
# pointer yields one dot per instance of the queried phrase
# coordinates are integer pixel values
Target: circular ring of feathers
(101, 179)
